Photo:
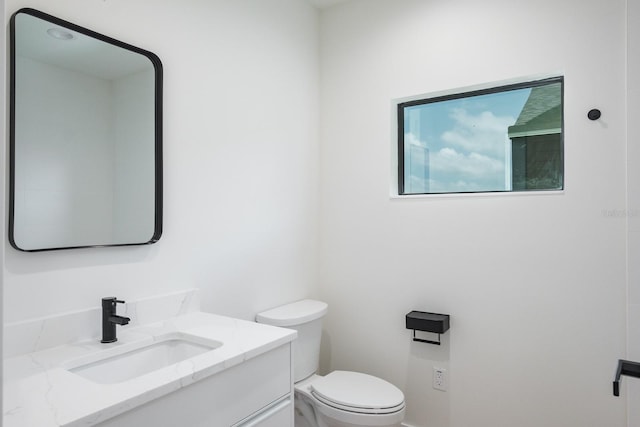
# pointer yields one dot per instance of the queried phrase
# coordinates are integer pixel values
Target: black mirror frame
(157, 64)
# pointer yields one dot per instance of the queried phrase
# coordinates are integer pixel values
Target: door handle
(628, 368)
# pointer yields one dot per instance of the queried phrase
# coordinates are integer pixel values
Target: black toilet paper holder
(435, 323)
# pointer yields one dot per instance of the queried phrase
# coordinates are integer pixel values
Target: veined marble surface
(32, 335)
(40, 391)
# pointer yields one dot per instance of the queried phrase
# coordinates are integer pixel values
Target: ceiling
(323, 4)
(81, 53)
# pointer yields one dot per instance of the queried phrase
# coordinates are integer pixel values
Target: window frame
(468, 93)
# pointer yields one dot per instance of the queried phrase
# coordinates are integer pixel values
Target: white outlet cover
(440, 379)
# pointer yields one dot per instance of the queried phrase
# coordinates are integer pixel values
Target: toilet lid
(293, 314)
(358, 392)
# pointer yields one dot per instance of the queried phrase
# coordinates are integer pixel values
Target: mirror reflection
(85, 138)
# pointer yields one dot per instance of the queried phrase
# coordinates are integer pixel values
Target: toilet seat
(358, 393)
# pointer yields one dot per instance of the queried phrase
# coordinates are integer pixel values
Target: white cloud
(471, 157)
(452, 171)
(472, 165)
(411, 139)
(483, 133)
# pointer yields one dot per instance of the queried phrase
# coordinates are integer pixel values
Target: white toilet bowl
(348, 399)
(341, 398)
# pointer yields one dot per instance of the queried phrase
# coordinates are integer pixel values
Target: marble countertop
(40, 391)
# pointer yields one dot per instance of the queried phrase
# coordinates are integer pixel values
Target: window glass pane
(504, 139)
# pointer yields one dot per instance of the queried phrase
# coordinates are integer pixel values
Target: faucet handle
(111, 301)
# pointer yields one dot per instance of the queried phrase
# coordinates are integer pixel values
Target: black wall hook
(594, 114)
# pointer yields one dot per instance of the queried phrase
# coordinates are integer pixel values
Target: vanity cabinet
(277, 415)
(255, 393)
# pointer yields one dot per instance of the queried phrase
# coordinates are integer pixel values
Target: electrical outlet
(440, 379)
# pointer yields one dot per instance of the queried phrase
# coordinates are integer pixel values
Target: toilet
(340, 398)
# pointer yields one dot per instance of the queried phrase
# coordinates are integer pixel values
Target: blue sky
(466, 140)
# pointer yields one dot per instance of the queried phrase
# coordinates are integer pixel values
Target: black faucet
(110, 319)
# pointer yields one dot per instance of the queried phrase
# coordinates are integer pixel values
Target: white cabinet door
(277, 415)
(229, 398)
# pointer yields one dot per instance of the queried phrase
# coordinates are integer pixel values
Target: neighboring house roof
(541, 114)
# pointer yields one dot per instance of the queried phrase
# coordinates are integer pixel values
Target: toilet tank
(306, 318)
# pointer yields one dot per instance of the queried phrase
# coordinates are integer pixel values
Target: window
(502, 139)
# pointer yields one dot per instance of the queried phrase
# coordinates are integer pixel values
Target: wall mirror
(85, 138)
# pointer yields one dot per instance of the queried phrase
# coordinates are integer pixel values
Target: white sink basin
(164, 351)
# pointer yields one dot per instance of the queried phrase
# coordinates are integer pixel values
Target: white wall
(240, 150)
(632, 385)
(535, 284)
